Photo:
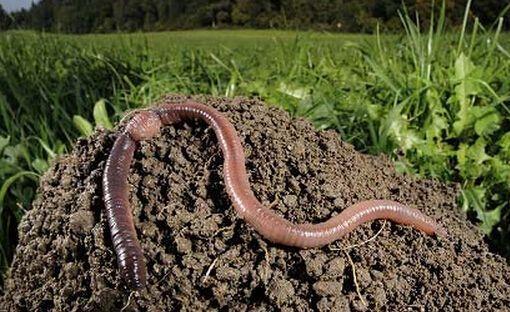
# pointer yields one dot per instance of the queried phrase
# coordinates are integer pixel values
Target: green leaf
(40, 165)
(500, 171)
(473, 198)
(4, 141)
(403, 166)
(465, 88)
(374, 111)
(60, 148)
(472, 160)
(504, 144)
(476, 152)
(8, 182)
(462, 156)
(489, 218)
(101, 115)
(47, 148)
(436, 121)
(13, 154)
(82, 125)
(463, 67)
(396, 125)
(296, 92)
(487, 124)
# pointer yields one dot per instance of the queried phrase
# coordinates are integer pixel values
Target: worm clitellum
(146, 124)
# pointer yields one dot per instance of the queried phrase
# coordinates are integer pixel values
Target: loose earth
(201, 256)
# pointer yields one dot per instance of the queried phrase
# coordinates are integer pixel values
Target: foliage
(100, 117)
(450, 115)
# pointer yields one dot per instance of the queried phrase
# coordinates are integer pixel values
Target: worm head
(144, 125)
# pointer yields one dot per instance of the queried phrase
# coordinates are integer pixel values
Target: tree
(5, 20)
(81, 16)
(41, 15)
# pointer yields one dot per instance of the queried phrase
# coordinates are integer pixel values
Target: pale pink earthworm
(146, 124)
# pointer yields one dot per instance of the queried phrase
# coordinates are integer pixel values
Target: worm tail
(116, 198)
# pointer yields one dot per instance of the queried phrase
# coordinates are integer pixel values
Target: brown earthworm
(146, 124)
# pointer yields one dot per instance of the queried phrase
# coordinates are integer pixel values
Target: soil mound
(201, 256)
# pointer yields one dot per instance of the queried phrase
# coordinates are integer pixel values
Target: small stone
(280, 291)
(71, 270)
(331, 191)
(81, 222)
(380, 297)
(337, 303)
(290, 200)
(363, 277)
(328, 288)
(183, 245)
(315, 264)
(336, 267)
(376, 275)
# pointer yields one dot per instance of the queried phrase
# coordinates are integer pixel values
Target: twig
(164, 276)
(362, 243)
(266, 253)
(224, 229)
(355, 278)
(273, 203)
(206, 169)
(128, 303)
(420, 307)
(209, 270)
(352, 262)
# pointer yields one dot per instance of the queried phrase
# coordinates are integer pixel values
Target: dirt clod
(201, 256)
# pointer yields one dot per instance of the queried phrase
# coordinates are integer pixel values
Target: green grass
(160, 41)
(437, 102)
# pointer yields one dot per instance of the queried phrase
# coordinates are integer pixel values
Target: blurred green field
(159, 42)
(436, 102)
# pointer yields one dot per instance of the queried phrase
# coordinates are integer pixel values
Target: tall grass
(443, 110)
(436, 102)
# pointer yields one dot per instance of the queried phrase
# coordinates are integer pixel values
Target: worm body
(270, 225)
(116, 199)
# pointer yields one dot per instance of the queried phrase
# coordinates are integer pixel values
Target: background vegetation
(85, 16)
(436, 101)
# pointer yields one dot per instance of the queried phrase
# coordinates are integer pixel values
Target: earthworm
(146, 124)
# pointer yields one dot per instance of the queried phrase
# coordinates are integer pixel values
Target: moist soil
(202, 256)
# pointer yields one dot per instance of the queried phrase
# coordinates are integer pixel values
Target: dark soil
(201, 256)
